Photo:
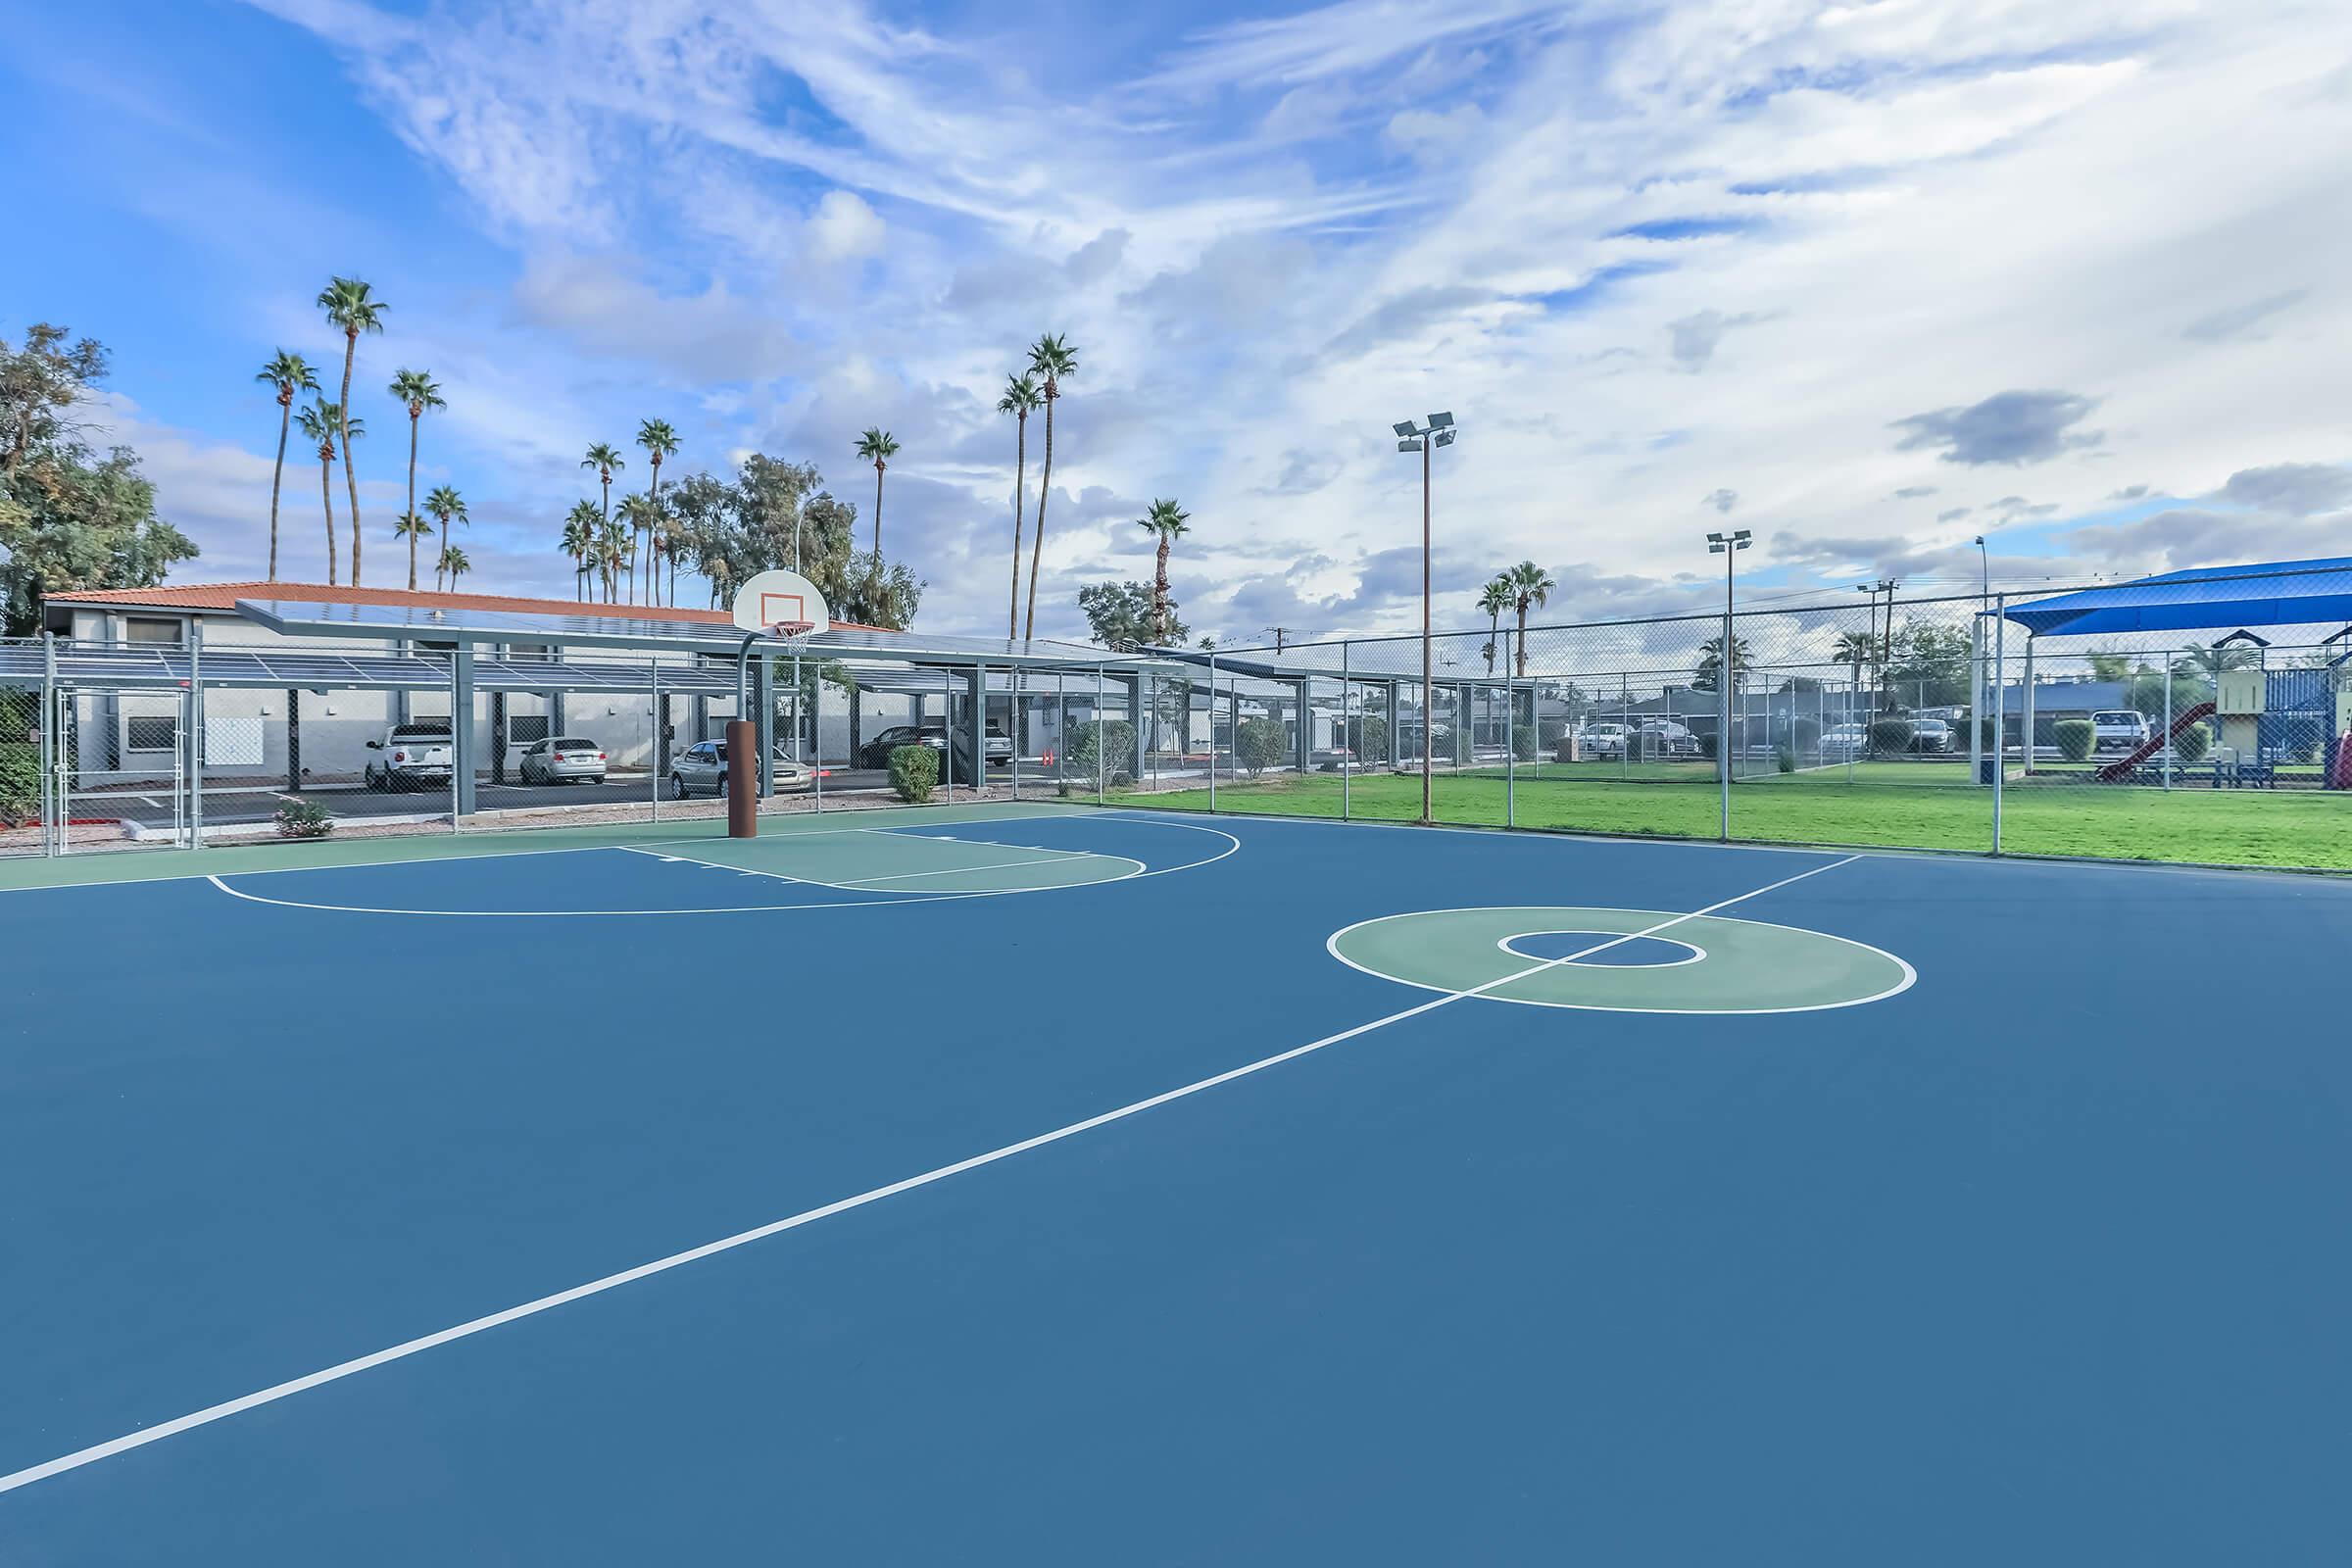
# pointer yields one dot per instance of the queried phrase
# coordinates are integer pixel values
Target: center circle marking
(1628, 952)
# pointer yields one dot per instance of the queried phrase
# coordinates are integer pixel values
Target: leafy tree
(417, 391)
(1531, 589)
(289, 373)
(878, 593)
(1166, 520)
(443, 504)
(1050, 359)
(1121, 614)
(1260, 745)
(350, 306)
(38, 384)
(74, 521)
(876, 446)
(2109, 666)
(1928, 664)
(1021, 400)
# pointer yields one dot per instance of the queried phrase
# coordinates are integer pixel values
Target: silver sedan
(570, 760)
(702, 769)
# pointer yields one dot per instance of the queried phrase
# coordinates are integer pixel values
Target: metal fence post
(2000, 732)
(1101, 740)
(1351, 733)
(654, 751)
(1727, 677)
(1212, 730)
(52, 790)
(195, 722)
(2168, 720)
(1510, 742)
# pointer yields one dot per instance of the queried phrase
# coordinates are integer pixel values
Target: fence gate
(119, 768)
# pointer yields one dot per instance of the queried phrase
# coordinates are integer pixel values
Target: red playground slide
(2117, 772)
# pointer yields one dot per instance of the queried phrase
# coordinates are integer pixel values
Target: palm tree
(1530, 588)
(444, 504)
(420, 391)
(454, 562)
(289, 373)
(660, 441)
(642, 514)
(1051, 357)
(2199, 658)
(1494, 598)
(349, 306)
(321, 422)
(614, 547)
(604, 459)
(1165, 520)
(579, 541)
(1021, 400)
(876, 446)
(411, 527)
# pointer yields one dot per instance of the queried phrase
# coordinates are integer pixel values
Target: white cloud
(843, 227)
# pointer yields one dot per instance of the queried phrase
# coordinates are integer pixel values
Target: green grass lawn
(1896, 805)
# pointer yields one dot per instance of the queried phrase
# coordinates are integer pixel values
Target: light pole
(1977, 672)
(1727, 546)
(1424, 439)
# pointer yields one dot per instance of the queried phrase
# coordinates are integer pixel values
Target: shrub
(1259, 746)
(1089, 743)
(20, 783)
(1786, 758)
(2075, 739)
(1548, 732)
(1706, 746)
(1889, 737)
(2192, 743)
(1369, 738)
(914, 772)
(1523, 744)
(298, 818)
(1808, 734)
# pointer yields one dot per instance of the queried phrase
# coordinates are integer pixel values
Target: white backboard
(774, 596)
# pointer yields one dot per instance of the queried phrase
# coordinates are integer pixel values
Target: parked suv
(2119, 729)
(876, 752)
(411, 757)
(568, 760)
(702, 769)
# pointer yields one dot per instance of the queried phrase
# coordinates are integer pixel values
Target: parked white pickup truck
(2119, 730)
(411, 757)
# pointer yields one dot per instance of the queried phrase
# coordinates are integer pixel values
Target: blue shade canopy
(2281, 593)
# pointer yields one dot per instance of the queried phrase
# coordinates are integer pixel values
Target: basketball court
(1028, 1184)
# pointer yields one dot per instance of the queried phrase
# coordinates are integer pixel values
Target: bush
(1786, 758)
(1706, 746)
(1808, 734)
(2075, 739)
(1090, 742)
(20, 783)
(2192, 743)
(1369, 738)
(1259, 746)
(1889, 737)
(914, 772)
(298, 818)
(1548, 732)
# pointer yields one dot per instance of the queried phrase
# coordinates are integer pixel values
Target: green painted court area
(1622, 961)
(1891, 804)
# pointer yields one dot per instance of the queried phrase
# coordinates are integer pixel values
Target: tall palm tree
(673, 545)
(289, 373)
(443, 504)
(579, 542)
(1021, 400)
(321, 422)
(1051, 357)
(411, 527)
(1494, 598)
(349, 305)
(876, 446)
(613, 543)
(642, 514)
(1166, 520)
(1530, 588)
(604, 459)
(660, 441)
(453, 561)
(418, 391)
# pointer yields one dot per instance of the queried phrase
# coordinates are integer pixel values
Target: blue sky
(1866, 280)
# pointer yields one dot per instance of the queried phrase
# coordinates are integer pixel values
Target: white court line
(808, 1217)
(996, 866)
(859, 884)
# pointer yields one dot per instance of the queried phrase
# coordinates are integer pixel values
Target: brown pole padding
(743, 779)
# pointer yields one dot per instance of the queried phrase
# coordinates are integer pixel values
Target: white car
(1846, 739)
(2119, 729)
(1602, 740)
(567, 760)
(702, 769)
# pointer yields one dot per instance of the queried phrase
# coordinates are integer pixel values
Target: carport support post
(460, 734)
(763, 692)
(2028, 704)
(1975, 697)
(1212, 738)
(1101, 738)
(1510, 751)
(1392, 746)
(976, 718)
(1134, 721)
(2000, 708)
(1351, 731)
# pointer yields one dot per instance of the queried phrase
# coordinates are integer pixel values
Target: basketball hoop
(791, 630)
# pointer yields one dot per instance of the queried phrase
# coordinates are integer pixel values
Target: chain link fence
(1942, 723)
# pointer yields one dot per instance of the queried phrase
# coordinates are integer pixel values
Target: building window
(147, 629)
(157, 734)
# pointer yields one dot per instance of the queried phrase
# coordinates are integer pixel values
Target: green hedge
(20, 783)
(914, 772)
(2192, 743)
(1259, 746)
(1369, 738)
(1523, 743)
(2075, 737)
(1090, 743)
(1889, 737)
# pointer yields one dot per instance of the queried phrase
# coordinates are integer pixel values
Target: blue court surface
(1105, 1187)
